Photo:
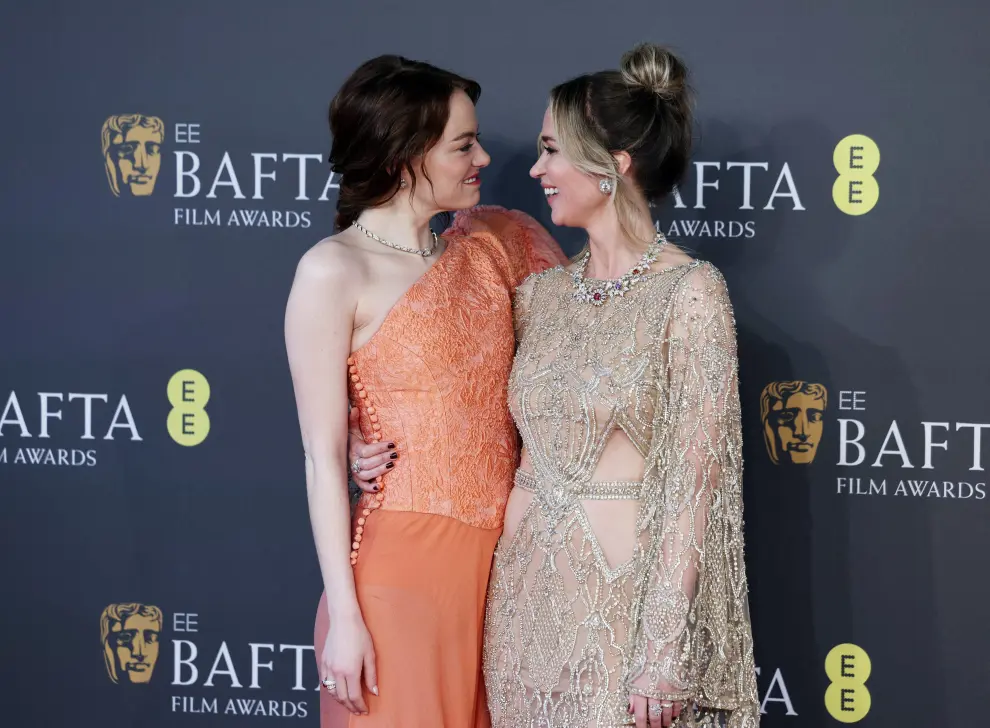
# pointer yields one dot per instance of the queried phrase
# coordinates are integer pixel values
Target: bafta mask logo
(792, 415)
(132, 153)
(130, 634)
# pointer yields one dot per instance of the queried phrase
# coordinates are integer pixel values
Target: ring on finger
(356, 466)
(656, 709)
(330, 684)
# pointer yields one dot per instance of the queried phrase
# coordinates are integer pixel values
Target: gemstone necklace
(598, 293)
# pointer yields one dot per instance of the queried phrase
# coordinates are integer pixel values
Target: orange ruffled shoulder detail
(526, 245)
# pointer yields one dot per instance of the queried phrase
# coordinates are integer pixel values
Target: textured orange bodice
(436, 371)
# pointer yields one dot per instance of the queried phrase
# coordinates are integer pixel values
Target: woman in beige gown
(618, 594)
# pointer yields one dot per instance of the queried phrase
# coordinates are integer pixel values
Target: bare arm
(319, 321)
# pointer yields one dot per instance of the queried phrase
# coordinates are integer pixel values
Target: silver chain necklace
(598, 294)
(403, 248)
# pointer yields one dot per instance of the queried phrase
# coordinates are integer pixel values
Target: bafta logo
(132, 153)
(792, 414)
(129, 633)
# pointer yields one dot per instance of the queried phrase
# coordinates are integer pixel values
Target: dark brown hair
(644, 109)
(390, 112)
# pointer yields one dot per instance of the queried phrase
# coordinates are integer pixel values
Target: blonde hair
(643, 109)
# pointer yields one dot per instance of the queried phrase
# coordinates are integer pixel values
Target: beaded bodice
(602, 587)
(583, 371)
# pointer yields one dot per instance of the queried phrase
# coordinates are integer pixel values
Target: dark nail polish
(389, 466)
(374, 488)
(393, 456)
(391, 446)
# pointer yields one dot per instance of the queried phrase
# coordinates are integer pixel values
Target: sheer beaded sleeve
(693, 638)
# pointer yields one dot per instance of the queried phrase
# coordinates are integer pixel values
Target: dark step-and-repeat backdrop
(164, 169)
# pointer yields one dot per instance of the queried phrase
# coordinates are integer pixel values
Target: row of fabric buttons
(365, 401)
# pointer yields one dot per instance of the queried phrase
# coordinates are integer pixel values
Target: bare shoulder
(334, 261)
(327, 284)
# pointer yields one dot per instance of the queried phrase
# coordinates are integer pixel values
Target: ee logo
(848, 668)
(188, 393)
(856, 159)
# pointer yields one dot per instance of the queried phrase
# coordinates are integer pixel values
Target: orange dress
(436, 374)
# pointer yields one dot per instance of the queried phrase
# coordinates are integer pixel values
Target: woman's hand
(653, 713)
(347, 653)
(373, 459)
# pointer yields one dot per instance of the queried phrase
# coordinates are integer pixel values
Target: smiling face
(454, 163)
(574, 197)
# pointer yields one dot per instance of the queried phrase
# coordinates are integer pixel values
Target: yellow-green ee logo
(188, 393)
(848, 667)
(856, 159)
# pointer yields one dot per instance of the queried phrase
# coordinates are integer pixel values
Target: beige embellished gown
(603, 587)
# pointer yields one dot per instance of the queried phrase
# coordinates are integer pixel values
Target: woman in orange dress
(415, 332)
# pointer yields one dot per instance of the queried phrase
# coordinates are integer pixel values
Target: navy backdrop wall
(150, 463)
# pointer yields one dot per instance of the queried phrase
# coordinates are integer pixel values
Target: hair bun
(656, 69)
